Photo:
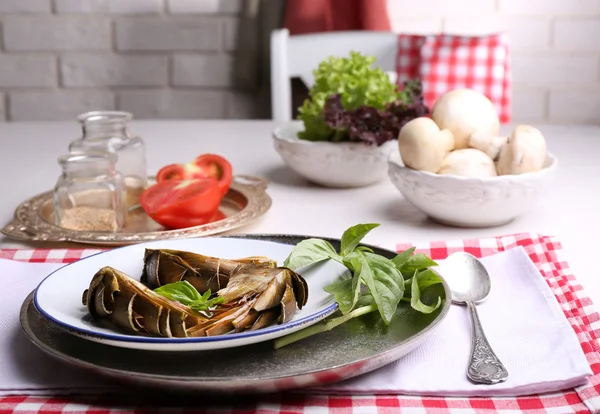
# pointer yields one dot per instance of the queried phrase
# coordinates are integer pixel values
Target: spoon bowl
(468, 279)
(470, 284)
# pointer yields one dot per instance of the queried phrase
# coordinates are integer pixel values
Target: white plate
(58, 297)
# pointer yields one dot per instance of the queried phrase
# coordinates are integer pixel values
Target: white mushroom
(525, 151)
(469, 162)
(489, 144)
(423, 146)
(466, 112)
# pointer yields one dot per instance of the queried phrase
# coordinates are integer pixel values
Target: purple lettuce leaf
(370, 125)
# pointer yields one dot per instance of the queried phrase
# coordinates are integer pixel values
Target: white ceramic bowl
(470, 202)
(345, 164)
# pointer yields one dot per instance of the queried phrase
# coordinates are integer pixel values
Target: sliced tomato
(179, 204)
(219, 215)
(187, 171)
(172, 172)
(205, 165)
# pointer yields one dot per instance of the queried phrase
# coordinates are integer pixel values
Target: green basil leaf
(387, 274)
(407, 285)
(342, 291)
(186, 294)
(352, 237)
(417, 262)
(354, 265)
(415, 299)
(350, 261)
(182, 292)
(206, 304)
(364, 249)
(384, 282)
(356, 280)
(426, 278)
(310, 251)
(366, 299)
(402, 257)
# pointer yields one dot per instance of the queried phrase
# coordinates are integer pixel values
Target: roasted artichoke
(114, 296)
(255, 294)
(164, 266)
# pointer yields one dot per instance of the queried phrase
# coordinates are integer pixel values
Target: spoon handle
(484, 366)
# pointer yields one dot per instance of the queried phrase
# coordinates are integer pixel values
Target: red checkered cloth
(447, 62)
(544, 251)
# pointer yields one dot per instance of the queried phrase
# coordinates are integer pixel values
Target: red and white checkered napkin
(546, 254)
(448, 62)
(525, 326)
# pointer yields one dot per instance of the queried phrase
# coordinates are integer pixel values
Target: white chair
(298, 55)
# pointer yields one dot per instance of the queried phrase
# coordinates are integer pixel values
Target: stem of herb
(323, 326)
(338, 135)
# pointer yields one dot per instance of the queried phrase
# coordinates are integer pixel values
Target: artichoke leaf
(245, 321)
(99, 303)
(266, 318)
(273, 294)
(288, 304)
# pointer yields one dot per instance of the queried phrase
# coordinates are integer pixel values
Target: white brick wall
(156, 58)
(27, 71)
(202, 70)
(158, 34)
(53, 105)
(24, 6)
(173, 58)
(109, 6)
(110, 70)
(173, 104)
(204, 6)
(56, 33)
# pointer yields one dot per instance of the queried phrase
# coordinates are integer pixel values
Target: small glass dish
(109, 131)
(90, 194)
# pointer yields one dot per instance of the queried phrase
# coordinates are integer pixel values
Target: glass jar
(109, 131)
(90, 194)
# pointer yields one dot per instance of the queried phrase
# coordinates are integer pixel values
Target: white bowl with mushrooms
(332, 164)
(459, 170)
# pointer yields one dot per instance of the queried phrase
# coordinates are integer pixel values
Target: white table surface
(28, 153)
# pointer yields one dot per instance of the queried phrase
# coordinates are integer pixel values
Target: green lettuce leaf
(356, 80)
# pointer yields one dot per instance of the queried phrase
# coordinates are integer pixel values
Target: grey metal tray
(354, 348)
(246, 201)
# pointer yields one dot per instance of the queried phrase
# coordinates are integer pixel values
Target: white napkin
(521, 319)
(524, 325)
(24, 369)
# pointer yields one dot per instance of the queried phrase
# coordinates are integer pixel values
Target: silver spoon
(470, 284)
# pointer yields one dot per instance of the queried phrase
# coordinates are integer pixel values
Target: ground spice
(132, 196)
(83, 218)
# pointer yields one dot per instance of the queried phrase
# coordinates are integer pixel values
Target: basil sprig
(186, 294)
(374, 283)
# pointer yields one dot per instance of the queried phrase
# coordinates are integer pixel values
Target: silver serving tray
(246, 201)
(354, 348)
